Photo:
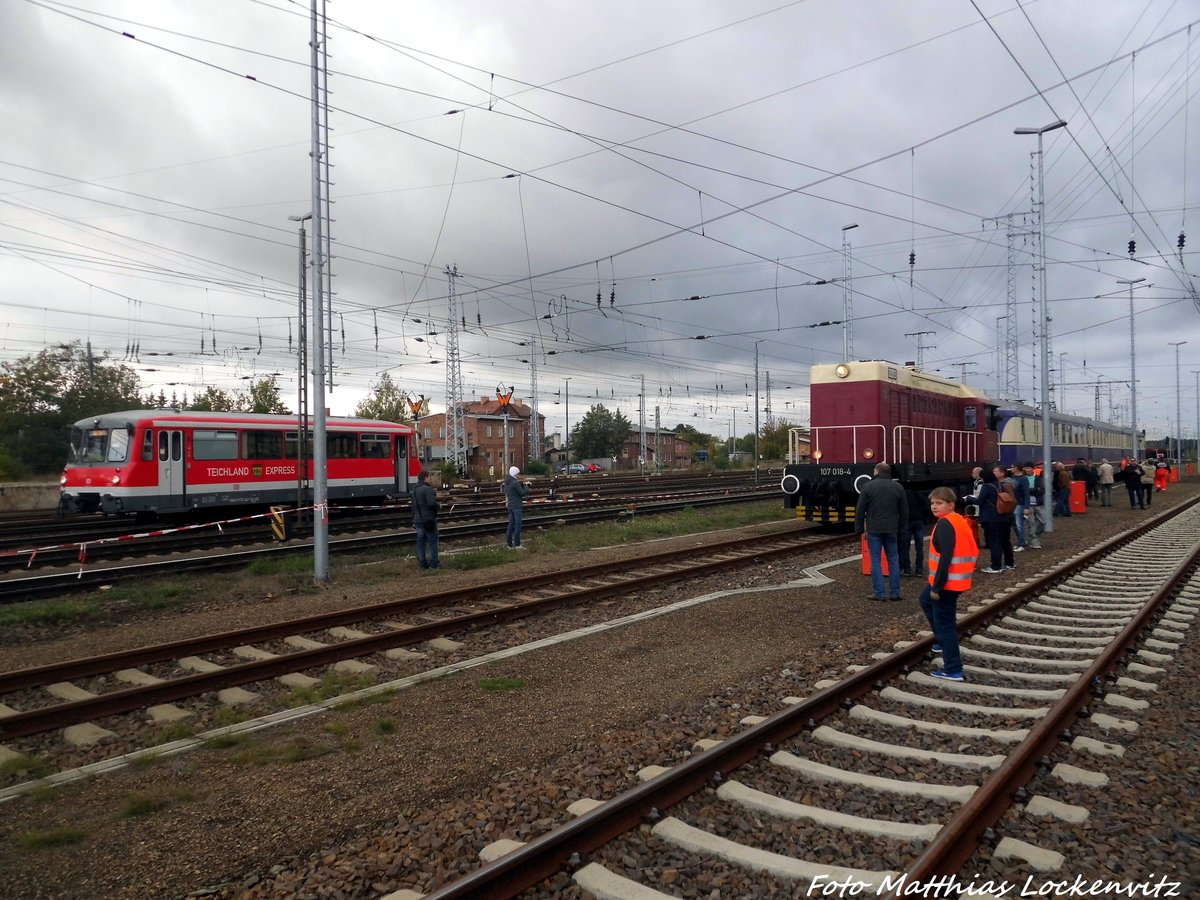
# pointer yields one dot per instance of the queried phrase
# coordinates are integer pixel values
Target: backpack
(1006, 502)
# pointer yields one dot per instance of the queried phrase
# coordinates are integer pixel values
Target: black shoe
(896, 599)
(878, 599)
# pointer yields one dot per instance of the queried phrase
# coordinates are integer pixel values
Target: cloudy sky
(625, 189)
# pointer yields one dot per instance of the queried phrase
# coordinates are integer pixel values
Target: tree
(387, 403)
(600, 433)
(263, 397)
(214, 400)
(42, 395)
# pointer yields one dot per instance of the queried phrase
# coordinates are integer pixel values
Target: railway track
(134, 694)
(83, 568)
(887, 777)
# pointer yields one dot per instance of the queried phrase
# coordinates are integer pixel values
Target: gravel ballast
(405, 792)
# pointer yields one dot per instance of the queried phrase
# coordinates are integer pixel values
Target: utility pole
(963, 370)
(847, 296)
(756, 343)
(302, 379)
(1178, 419)
(641, 422)
(456, 417)
(919, 335)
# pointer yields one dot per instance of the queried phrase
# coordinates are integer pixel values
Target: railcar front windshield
(99, 445)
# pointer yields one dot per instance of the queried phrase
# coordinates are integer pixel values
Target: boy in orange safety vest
(952, 555)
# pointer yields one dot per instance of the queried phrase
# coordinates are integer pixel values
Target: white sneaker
(990, 571)
(1018, 549)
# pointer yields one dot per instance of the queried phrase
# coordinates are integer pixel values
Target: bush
(537, 468)
(12, 469)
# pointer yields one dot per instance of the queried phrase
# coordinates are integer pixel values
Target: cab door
(170, 468)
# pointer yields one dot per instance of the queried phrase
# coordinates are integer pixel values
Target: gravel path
(405, 792)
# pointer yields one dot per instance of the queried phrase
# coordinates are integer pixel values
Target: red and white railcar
(167, 461)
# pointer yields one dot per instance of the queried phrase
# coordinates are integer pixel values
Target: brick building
(485, 425)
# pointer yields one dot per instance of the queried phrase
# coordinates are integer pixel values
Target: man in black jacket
(425, 512)
(881, 512)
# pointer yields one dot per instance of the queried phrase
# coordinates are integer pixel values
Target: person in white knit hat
(514, 496)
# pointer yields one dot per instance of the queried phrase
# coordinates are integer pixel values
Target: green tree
(263, 397)
(773, 443)
(42, 395)
(214, 400)
(386, 403)
(600, 433)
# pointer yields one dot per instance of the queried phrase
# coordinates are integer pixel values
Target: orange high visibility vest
(962, 563)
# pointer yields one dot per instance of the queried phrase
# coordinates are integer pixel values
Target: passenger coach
(166, 461)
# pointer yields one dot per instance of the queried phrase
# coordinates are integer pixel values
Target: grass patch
(48, 612)
(55, 837)
(300, 564)
(336, 728)
(143, 803)
(332, 685)
(481, 558)
(384, 727)
(228, 715)
(296, 750)
(350, 747)
(225, 741)
(176, 732)
(503, 683)
(30, 766)
(43, 793)
(158, 594)
(146, 761)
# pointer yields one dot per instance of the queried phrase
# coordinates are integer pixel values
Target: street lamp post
(567, 421)
(1178, 419)
(1047, 471)
(847, 296)
(1196, 372)
(1133, 430)
(1062, 381)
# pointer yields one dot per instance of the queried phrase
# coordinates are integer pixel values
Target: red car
(592, 467)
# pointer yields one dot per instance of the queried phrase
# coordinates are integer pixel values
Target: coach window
(341, 446)
(374, 446)
(164, 446)
(289, 446)
(176, 445)
(209, 444)
(970, 420)
(262, 445)
(148, 445)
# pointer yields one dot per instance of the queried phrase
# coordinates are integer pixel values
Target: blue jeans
(914, 534)
(427, 546)
(513, 536)
(1062, 503)
(877, 545)
(943, 619)
(1019, 523)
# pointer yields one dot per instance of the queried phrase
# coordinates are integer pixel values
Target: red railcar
(167, 461)
(932, 431)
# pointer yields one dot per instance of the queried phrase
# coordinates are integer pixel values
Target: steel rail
(35, 721)
(561, 848)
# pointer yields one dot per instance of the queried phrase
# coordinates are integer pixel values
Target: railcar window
(93, 445)
(148, 445)
(401, 446)
(970, 420)
(342, 446)
(118, 445)
(375, 446)
(290, 448)
(215, 445)
(176, 445)
(262, 444)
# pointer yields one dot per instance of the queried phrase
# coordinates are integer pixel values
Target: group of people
(425, 509)
(885, 511)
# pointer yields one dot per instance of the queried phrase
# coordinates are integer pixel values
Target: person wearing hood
(514, 496)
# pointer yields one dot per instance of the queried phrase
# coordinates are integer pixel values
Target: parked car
(576, 469)
(592, 467)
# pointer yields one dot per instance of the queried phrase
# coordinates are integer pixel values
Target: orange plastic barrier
(1078, 497)
(866, 559)
(1174, 476)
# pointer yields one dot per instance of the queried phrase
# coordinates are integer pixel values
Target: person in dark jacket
(952, 555)
(992, 522)
(1062, 490)
(913, 535)
(881, 512)
(1083, 473)
(514, 496)
(425, 513)
(1021, 491)
(1035, 527)
(1131, 474)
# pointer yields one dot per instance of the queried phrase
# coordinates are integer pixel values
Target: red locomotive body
(166, 461)
(931, 431)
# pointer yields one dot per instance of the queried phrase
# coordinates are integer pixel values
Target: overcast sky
(691, 164)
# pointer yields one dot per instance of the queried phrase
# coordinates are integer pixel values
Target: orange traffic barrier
(866, 559)
(1078, 497)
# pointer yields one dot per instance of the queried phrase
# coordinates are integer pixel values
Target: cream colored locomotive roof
(905, 376)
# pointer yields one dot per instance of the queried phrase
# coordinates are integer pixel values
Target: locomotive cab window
(148, 445)
(215, 444)
(970, 419)
(118, 446)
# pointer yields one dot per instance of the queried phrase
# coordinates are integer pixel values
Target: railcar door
(170, 468)
(400, 465)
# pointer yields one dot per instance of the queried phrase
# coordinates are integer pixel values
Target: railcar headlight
(817, 454)
(116, 479)
(842, 370)
(62, 480)
(868, 453)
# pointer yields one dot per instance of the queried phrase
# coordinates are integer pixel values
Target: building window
(489, 431)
